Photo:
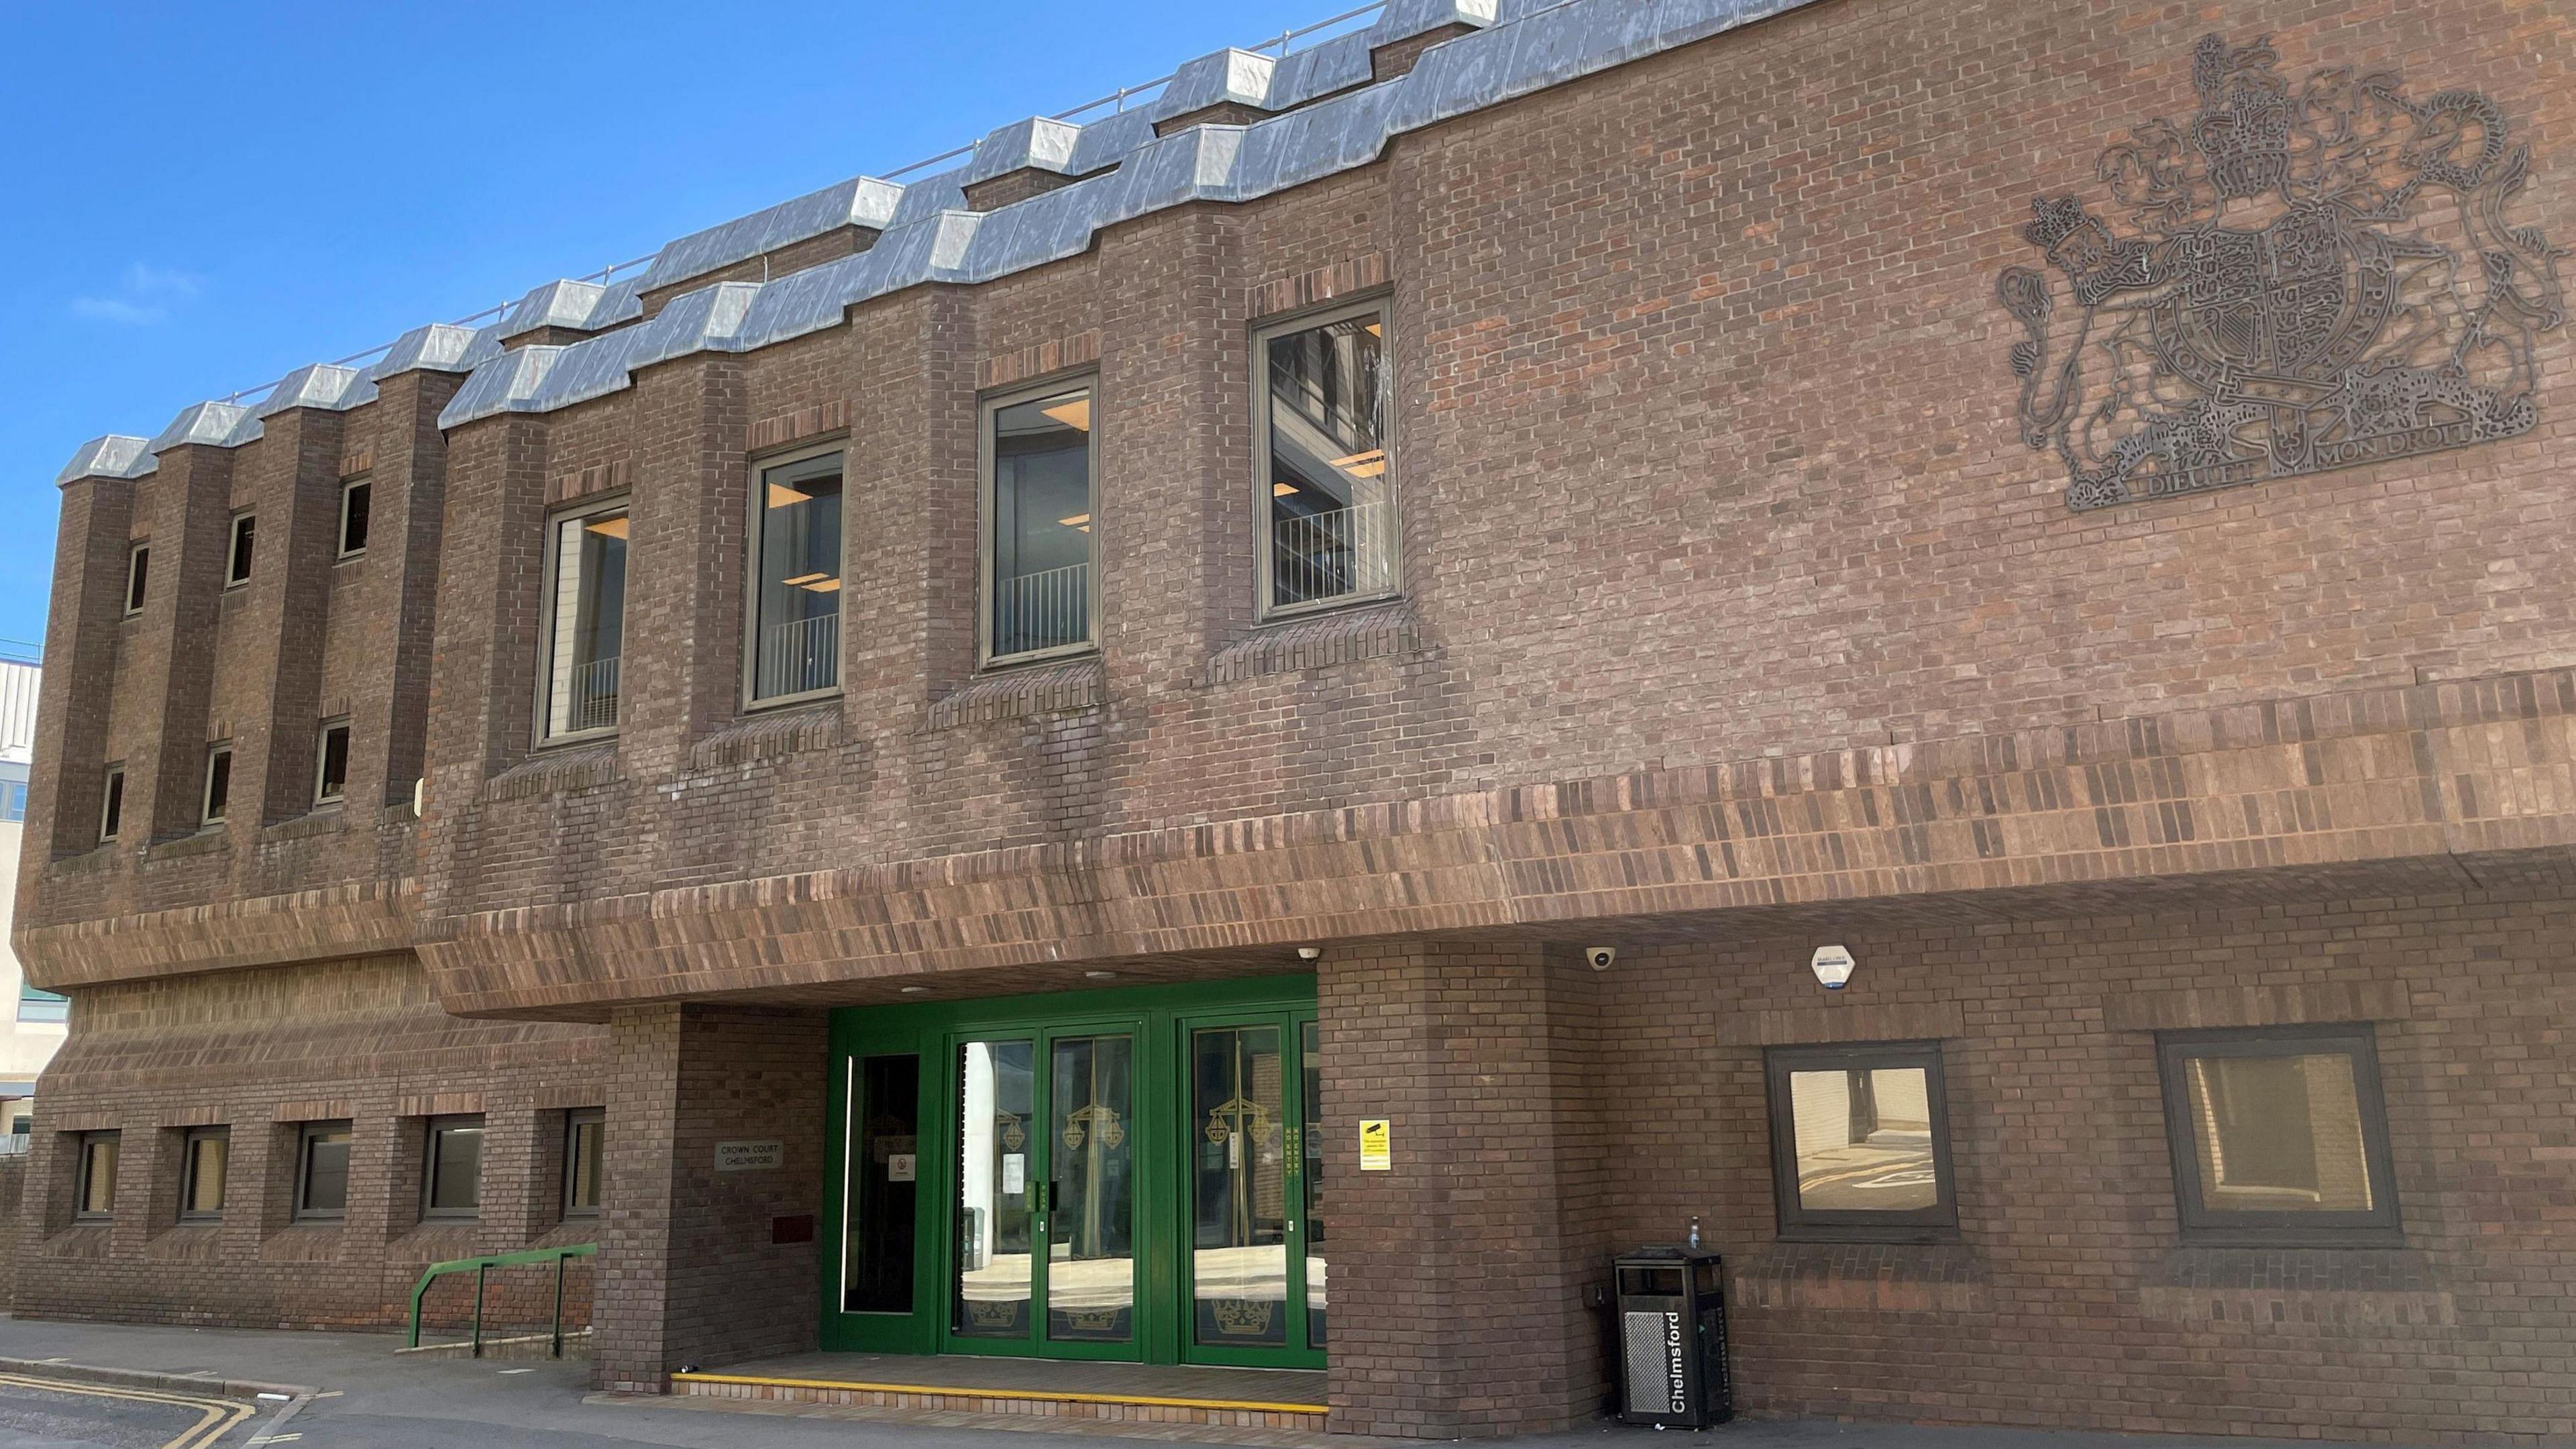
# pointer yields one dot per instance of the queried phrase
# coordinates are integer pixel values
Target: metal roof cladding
(1333, 119)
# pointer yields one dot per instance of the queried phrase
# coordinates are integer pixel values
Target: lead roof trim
(1334, 120)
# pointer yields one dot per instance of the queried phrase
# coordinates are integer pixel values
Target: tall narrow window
(2279, 1137)
(355, 498)
(1860, 1143)
(219, 784)
(452, 1178)
(322, 1172)
(237, 562)
(1327, 478)
(1040, 501)
(111, 805)
(796, 579)
(585, 1136)
(138, 574)
(331, 764)
(13, 793)
(204, 1153)
(96, 1202)
(586, 628)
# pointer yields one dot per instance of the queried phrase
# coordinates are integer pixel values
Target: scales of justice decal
(2301, 279)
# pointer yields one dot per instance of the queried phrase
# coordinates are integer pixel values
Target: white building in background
(34, 1030)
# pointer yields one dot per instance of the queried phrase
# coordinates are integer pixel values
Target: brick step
(1035, 1403)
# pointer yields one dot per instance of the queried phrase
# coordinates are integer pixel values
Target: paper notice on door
(900, 1167)
(1377, 1145)
(1015, 1174)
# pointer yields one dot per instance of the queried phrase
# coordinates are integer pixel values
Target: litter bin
(1672, 1339)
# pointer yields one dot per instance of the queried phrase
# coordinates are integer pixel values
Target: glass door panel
(1240, 1186)
(1091, 1190)
(1310, 1059)
(996, 1222)
(879, 1209)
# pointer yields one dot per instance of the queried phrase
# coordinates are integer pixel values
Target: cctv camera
(1600, 956)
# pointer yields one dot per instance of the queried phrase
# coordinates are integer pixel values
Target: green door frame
(1160, 1017)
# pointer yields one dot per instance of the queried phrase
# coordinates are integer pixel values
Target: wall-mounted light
(1310, 953)
(1833, 967)
(1100, 975)
(916, 990)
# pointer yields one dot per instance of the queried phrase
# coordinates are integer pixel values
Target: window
(584, 1134)
(96, 1200)
(355, 499)
(13, 794)
(1860, 1143)
(452, 1179)
(219, 784)
(322, 1172)
(2279, 1136)
(1327, 478)
(36, 1005)
(586, 631)
(111, 805)
(138, 572)
(205, 1152)
(1039, 503)
(237, 562)
(796, 579)
(331, 767)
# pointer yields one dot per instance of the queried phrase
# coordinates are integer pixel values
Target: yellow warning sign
(1377, 1147)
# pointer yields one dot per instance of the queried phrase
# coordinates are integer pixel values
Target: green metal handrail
(484, 1265)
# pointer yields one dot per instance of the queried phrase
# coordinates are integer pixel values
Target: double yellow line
(218, 1417)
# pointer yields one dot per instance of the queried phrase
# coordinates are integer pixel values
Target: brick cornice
(362, 919)
(2429, 773)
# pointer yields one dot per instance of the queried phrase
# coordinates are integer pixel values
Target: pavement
(363, 1397)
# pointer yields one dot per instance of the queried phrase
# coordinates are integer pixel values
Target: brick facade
(1737, 618)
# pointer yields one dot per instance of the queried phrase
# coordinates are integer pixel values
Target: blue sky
(195, 198)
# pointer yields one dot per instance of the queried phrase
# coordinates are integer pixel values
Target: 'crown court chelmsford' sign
(2302, 279)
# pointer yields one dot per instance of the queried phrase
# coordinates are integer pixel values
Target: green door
(1125, 1174)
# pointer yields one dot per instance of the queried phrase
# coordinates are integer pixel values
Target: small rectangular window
(205, 1154)
(796, 580)
(237, 562)
(39, 1005)
(2279, 1137)
(586, 626)
(331, 764)
(219, 784)
(584, 1138)
(452, 1178)
(354, 500)
(1860, 1143)
(1327, 477)
(1039, 503)
(322, 1171)
(111, 805)
(13, 794)
(97, 1195)
(138, 573)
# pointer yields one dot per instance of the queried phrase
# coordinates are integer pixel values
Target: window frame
(1798, 1223)
(236, 568)
(433, 1130)
(299, 1205)
(208, 813)
(138, 576)
(988, 409)
(322, 760)
(755, 498)
(340, 540)
(111, 803)
(2382, 1226)
(188, 1140)
(576, 1119)
(588, 508)
(1382, 304)
(82, 1212)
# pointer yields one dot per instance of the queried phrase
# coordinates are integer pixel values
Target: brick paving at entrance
(963, 1371)
(1188, 1400)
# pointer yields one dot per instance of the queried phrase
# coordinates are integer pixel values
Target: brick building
(1174, 638)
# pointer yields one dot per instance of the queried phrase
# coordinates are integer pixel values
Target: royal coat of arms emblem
(2307, 279)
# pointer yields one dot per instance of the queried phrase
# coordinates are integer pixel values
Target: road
(40, 1413)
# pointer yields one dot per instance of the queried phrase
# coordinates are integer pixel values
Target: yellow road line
(1053, 1396)
(218, 1416)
